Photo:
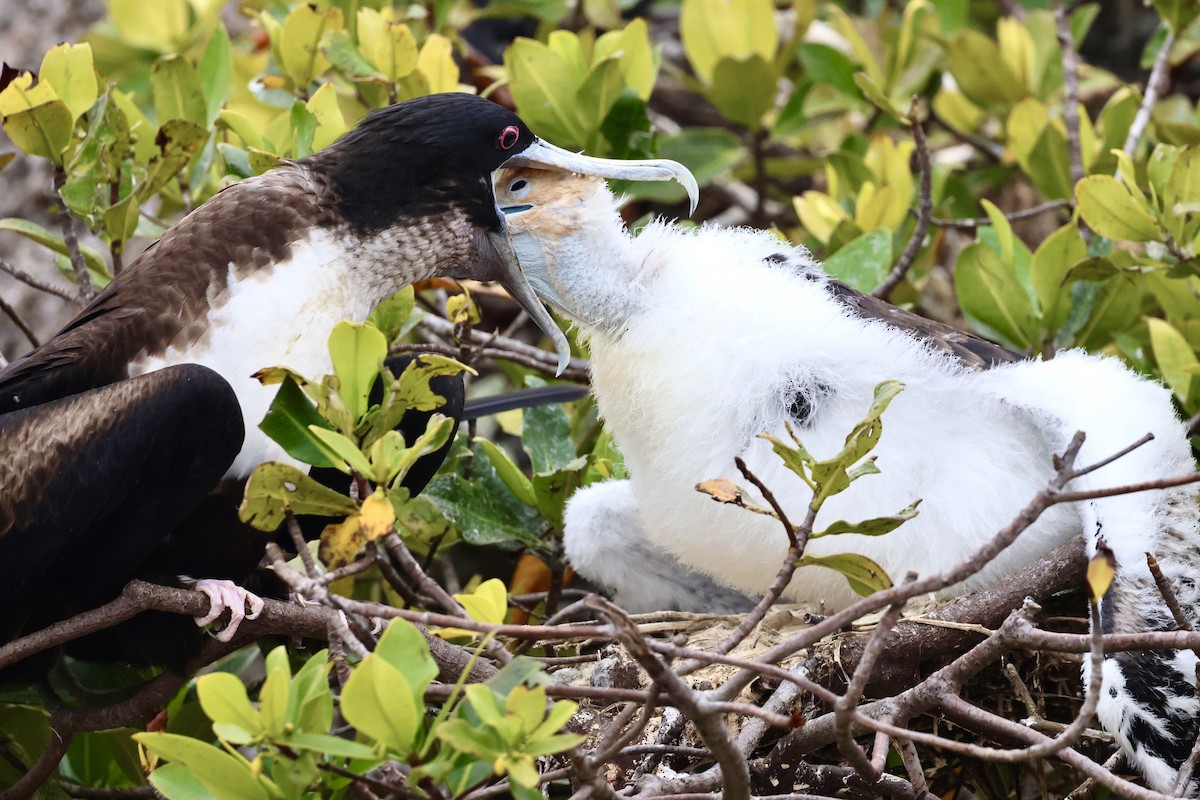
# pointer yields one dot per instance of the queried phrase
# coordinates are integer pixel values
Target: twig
(844, 707)
(1156, 84)
(40, 284)
(1070, 66)
(735, 773)
(505, 347)
(981, 222)
(924, 210)
(66, 223)
(12, 314)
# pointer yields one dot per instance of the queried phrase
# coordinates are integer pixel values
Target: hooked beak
(543, 155)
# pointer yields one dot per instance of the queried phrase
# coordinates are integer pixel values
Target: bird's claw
(224, 595)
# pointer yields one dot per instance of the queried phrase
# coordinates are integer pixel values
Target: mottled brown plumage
(970, 350)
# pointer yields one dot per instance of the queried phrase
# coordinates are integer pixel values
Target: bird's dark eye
(508, 137)
(517, 185)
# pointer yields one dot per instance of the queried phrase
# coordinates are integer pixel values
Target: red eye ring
(509, 137)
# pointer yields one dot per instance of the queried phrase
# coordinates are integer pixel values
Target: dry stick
(502, 787)
(912, 765)
(984, 555)
(66, 223)
(963, 713)
(735, 773)
(397, 549)
(1156, 84)
(843, 709)
(924, 210)
(105, 793)
(395, 580)
(1087, 789)
(1070, 65)
(1184, 774)
(443, 327)
(40, 284)
(971, 223)
(12, 314)
(1051, 495)
(797, 540)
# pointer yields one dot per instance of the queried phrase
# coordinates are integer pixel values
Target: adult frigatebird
(701, 340)
(118, 435)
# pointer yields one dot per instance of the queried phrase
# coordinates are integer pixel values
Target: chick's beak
(543, 155)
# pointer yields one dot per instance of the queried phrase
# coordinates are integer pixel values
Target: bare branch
(1156, 85)
(1070, 65)
(924, 209)
(40, 284)
(66, 223)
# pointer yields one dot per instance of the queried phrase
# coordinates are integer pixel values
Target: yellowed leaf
(377, 516)
(1100, 572)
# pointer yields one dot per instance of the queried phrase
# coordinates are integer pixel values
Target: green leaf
(992, 298)
(356, 351)
(223, 698)
(831, 476)
(215, 73)
(44, 130)
(345, 448)
(743, 89)
(509, 472)
(403, 646)
(828, 67)
(275, 487)
(288, 422)
(1174, 356)
(310, 703)
(177, 782)
(410, 391)
(546, 437)
(1049, 165)
(864, 575)
(389, 46)
(870, 527)
(394, 316)
(300, 40)
(872, 92)
(553, 489)
(334, 746)
(864, 262)
(54, 241)
(1048, 270)
(544, 87)
(177, 92)
(715, 29)
(1107, 207)
(222, 774)
(981, 73)
(482, 508)
(68, 68)
(636, 57)
(378, 701)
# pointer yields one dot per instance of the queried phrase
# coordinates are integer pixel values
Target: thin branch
(505, 347)
(66, 223)
(981, 222)
(12, 314)
(1156, 85)
(924, 209)
(1070, 66)
(40, 284)
(735, 773)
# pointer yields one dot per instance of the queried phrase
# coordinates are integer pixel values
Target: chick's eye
(518, 185)
(508, 137)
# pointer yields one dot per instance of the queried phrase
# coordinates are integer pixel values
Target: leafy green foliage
(498, 729)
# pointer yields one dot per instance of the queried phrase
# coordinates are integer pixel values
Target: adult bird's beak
(543, 155)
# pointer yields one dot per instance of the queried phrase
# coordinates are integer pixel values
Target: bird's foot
(224, 595)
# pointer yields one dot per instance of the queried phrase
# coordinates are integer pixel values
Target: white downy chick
(703, 339)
